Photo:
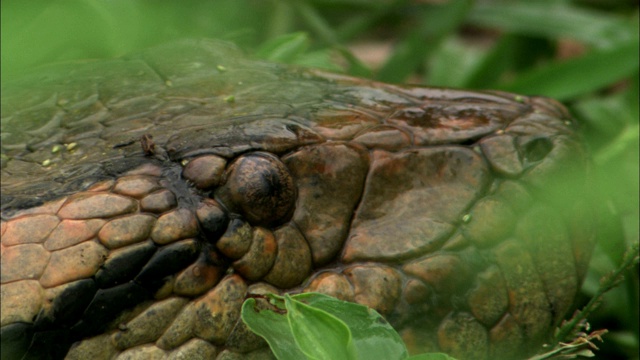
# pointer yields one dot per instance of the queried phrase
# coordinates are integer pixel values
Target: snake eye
(536, 149)
(260, 187)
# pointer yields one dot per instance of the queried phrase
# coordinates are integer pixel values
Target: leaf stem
(607, 282)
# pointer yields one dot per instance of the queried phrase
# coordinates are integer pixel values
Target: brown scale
(143, 239)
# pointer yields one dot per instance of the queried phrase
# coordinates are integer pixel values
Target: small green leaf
(373, 337)
(274, 328)
(284, 48)
(319, 334)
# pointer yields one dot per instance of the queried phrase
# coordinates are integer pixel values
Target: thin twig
(576, 328)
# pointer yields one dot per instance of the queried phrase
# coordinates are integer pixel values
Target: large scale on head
(144, 198)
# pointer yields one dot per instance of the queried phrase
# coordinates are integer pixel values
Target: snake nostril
(536, 149)
(205, 172)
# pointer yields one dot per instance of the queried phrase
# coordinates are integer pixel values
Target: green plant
(583, 52)
(317, 326)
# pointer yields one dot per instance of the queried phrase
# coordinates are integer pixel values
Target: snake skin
(143, 198)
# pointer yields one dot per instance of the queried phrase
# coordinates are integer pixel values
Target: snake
(145, 197)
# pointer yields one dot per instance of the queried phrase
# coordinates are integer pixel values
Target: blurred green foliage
(582, 52)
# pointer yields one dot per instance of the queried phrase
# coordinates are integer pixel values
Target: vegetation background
(582, 52)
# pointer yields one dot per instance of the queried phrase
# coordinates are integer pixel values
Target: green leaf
(373, 337)
(364, 23)
(631, 96)
(605, 116)
(436, 23)
(510, 54)
(284, 48)
(90, 29)
(555, 21)
(452, 64)
(322, 29)
(319, 334)
(407, 56)
(316, 22)
(492, 65)
(274, 328)
(571, 78)
(356, 67)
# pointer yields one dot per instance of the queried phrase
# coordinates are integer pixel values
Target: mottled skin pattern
(143, 198)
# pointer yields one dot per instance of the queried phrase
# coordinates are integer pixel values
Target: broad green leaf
(452, 64)
(284, 48)
(555, 21)
(373, 337)
(63, 30)
(36, 32)
(274, 328)
(436, 23)
(431, 356)
(571, 78)
(319, 334)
